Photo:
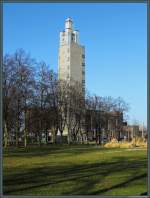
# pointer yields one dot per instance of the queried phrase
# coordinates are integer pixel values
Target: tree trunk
(25, 138)
(25, 130)
(5, 136)
(46, 137)
(69, 137)
(17, 132)
(61, 137)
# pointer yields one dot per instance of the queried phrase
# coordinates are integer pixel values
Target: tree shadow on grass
(122, 184)
(34, 151)
(145, 193)
(53, 175)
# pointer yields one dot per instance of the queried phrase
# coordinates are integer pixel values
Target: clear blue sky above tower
(114, 36)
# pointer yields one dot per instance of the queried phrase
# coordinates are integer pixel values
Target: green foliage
(74, 170)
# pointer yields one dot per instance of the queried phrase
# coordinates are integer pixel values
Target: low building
(131, 131)
(110, 125)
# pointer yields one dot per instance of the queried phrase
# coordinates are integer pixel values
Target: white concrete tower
(71, 59)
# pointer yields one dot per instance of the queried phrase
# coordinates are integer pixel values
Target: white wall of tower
(71, 55)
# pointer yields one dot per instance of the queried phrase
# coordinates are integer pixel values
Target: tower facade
(71, 60)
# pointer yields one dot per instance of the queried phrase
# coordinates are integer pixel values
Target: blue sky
(114, 36)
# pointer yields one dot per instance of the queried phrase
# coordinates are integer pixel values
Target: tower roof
(69, 19)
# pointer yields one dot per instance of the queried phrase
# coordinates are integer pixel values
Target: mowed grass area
(74, 170)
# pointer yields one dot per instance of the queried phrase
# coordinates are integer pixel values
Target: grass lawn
(74, 170)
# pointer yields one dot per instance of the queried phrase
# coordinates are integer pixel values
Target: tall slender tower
(71, 59)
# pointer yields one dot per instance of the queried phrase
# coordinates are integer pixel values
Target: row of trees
(35, 102)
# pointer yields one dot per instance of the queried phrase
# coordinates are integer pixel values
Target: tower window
(72, 37)
(83, 56)
(83, 64)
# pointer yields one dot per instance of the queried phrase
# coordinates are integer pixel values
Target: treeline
(36, 103)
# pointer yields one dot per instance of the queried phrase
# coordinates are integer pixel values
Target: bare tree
(23, 90)
(8, 83)
(36, 102)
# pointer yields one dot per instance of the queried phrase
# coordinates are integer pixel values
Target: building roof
(69, 19)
